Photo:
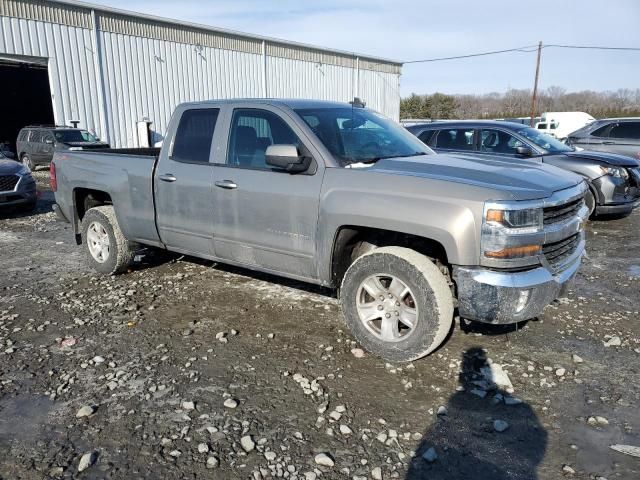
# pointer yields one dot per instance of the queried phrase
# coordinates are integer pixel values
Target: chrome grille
(558, 252)
(8, 182)
(559, 213)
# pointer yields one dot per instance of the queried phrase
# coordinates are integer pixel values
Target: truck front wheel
(108, 251)
(397, 303)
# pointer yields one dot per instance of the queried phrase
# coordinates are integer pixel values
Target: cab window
(497, 141)
(192, 143)
(626, 130)
(252, 131)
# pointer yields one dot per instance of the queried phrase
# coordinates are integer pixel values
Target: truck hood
(608, 158)
(9, 167)
(520, 181)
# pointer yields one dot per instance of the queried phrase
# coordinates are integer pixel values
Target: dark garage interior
(26, 98)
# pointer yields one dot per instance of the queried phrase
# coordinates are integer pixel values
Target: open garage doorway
(25, 97)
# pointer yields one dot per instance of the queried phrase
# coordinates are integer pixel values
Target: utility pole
(535, 86)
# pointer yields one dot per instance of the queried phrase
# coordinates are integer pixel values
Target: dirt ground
(187, 369)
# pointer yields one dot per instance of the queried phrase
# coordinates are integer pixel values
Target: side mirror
(287, 157)
(524, 151)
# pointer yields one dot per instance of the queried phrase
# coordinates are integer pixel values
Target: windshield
(355, 135)
(544, 141)
(66, 136)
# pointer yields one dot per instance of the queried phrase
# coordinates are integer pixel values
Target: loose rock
(324, 460)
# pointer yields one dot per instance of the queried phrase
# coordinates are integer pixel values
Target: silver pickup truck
(337, 195)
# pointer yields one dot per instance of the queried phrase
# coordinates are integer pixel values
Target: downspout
(99, 73)
(357, 77)
(264, 69)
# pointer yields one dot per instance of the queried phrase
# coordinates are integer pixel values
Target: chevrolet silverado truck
(337, 195)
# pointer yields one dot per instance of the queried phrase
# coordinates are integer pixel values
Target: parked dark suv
(36, 143)
(615, 135)
(614, 180)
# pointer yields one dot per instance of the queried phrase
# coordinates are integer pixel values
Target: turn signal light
(515, 252)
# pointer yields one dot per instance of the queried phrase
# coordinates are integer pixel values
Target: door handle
(608, 143)
(228, 184)
(168, 177)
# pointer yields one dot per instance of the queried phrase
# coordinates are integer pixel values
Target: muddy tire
(108, 251)
(397, 303)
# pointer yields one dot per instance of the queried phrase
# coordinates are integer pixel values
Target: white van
(561, 124)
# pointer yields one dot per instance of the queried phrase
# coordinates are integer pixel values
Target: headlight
(617, 172)
(512, 237)
(526, 220)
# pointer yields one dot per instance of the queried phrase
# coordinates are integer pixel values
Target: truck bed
(126, 174)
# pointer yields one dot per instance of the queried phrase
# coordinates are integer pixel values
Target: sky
(408, 30)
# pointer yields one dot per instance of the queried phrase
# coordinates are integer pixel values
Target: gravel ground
(185, 369)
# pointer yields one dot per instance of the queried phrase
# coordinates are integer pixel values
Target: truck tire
(108, 251)
(397, 303)
(590, 202)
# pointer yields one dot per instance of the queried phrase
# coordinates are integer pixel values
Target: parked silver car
(614, 180)
(17, 186)
(614, 135)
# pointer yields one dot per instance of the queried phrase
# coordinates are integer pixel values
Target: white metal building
(110, 68)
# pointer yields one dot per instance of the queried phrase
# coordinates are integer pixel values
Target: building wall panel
(148, 67)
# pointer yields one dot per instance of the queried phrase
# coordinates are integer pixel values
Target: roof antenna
(357, 103)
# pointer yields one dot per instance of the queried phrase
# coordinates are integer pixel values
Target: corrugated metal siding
(70, 55)
(135, 25)
(149, 78)
(150, 67)
(46, 12)
(176, 33)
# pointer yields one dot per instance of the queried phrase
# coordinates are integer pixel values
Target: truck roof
(293, 103)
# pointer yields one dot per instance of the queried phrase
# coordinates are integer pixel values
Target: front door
(266, 217)
(183, 184)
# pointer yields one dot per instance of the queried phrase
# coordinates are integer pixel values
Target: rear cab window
(194, 135)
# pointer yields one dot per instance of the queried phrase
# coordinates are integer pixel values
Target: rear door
(35, 146)
(266, 217)
(183, 182)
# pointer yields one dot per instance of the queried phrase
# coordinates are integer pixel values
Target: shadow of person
(465, 439)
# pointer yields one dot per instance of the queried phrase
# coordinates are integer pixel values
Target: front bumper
(616, 195)
(496, 297)
(619, 209)
(24, 193)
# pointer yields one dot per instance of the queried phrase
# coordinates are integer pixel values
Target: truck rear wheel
(397, 303)
(108, 251)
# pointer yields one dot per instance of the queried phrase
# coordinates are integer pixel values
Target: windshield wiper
(375, 159)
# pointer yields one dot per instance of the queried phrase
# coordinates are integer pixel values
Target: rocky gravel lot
(183, 369)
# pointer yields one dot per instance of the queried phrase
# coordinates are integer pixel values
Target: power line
(590, 47)
(526, 49)
(519, 49)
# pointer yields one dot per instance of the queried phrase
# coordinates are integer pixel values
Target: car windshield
(544, 141)
(66, 136)
(355, 135)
